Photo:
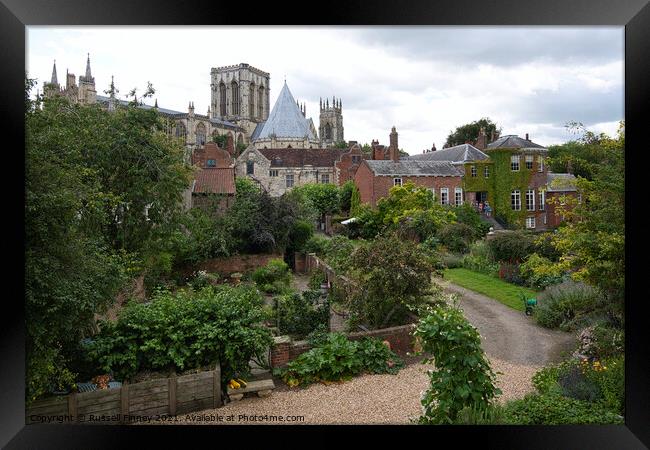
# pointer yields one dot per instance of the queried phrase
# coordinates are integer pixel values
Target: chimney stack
(527, 136)
(393, 149)
(481, 142)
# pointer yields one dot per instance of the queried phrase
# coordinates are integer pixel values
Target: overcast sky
(424, 80)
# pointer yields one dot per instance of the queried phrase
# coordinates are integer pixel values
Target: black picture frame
(15, 15)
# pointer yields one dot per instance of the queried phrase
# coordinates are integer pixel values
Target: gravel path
(514, 344)
(508, 334)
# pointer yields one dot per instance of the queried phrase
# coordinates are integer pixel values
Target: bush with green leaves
(298, 315)
(511, 246)
(316, 278)
(300, 234)
(183, 330)
(467, 215)
(462, 376)
(539, 272)
(337, 251)
(452, 261)
(337, 359)
(457, 237)
(480, 259)
(609, 376)
(552, 409)
(602, 340)
(316, 244)
(273, 278)
(564, 305)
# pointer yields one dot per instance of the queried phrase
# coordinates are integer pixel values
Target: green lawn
(506, 293)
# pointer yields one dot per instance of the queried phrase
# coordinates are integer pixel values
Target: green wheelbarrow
(529, 304)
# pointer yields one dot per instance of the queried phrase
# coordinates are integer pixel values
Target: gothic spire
(155, 105)
(88, 75)
(54, 79)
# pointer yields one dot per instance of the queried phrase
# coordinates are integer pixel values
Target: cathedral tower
(87, 92)
(240, 94)
(331, 122)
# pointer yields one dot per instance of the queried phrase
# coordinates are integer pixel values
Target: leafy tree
(341, 144)
(322, 197)
(392, 276)
(592, 242)
(345, 196)
(355, 201)
(470, 132)
(102, 196)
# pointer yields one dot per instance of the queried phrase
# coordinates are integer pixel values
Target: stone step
(261, 387)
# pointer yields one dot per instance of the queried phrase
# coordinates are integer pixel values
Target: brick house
(386, 169)
(213, 187)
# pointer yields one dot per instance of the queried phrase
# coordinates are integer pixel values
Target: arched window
(234, 95)
(328, 131)
(251, 101)
(181, 131)
(260, 102)
(200, 134)
(222, 99)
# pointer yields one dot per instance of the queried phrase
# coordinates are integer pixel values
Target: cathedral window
(250, 168)
(181, 131)
(222, 99)
(260, 102)
(328, 131)
(234, 94)
(251, 101)
(200, 134)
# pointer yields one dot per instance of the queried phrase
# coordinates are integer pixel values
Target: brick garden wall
(237, 263)
(401, 341)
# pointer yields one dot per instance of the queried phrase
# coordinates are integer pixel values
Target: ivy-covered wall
(501, 182)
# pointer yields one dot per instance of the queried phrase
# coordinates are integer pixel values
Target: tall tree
(470, 132)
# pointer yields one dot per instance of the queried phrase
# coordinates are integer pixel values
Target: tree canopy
(470, 132)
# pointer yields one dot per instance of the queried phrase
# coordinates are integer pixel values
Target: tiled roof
(214, 180)
(561, 182)
(513, 141)
(458, 153)
(286, 119)
(299, 157)
(407, 167)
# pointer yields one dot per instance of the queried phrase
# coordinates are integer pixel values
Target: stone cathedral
(239, 109)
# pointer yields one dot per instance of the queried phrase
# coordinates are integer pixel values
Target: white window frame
(515, 200)
(514, 160)
(444, 192)
(540, 163)
(530, 194)
(273, 173)
(286, 179)
(458, 191)
(530, 221)
(397, 182)
(433, 193)
(529, 161)
(323, 177)
(473, 171)
(542, 200)
(486, 172)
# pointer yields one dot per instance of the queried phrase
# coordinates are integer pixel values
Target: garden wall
(401, 341)
(237, 263)
(132, 402)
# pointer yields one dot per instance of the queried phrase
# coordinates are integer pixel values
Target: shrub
(298, 315)
(273, 278)
(462, 376)
(607, 341)
(467, 215)
(576, 385)
(316, 244)
(301, 233)
(551, 409)
(337, 358)
(511, 246)
(545, 379)
(480, 259)
(316, 279)
(185, 329)
(452, 261)
(510, 273)
(539, 272)
(457, 237)
(609, 375)
(563, 304)
(337, 252)
(471, 415)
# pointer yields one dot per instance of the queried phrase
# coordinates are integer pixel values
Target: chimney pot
(527, 136)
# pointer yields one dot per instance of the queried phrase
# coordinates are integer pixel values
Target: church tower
(331, 122)
(240, 94)
(87, 92)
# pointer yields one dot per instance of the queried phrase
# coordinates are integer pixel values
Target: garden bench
(263, 388)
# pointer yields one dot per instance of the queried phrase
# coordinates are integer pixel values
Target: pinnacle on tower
(54, 78)
(155, 105)
(88, 75)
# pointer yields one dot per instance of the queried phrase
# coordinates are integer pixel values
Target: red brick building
(213, 187)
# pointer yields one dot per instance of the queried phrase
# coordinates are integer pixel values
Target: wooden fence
(132, 402)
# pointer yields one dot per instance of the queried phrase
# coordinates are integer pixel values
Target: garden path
(508, 334)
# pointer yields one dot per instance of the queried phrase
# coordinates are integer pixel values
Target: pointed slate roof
(458, 153)
(54, 78)
(286, 119)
